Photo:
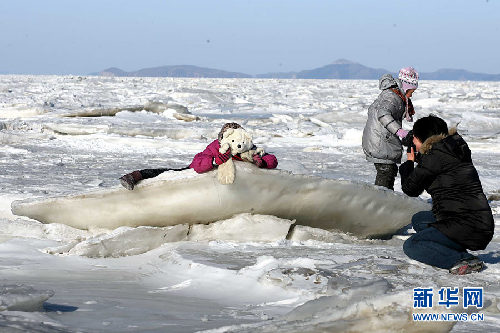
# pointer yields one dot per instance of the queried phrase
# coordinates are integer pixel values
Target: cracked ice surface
(63, 135)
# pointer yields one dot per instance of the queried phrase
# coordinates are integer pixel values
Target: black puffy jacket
(446, 172)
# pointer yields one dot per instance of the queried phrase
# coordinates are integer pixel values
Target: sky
(252, 37)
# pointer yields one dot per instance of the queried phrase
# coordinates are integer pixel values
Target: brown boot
(130, 179)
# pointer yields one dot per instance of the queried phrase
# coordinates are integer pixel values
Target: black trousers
(386, 175)
(151, 173)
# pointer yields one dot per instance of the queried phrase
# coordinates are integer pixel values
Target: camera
(407, 141)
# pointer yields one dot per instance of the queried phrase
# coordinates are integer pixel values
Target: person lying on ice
(461, 218)
(203, 161)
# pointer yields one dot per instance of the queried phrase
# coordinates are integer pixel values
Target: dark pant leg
(421, 220)
(151, 173)
(432, 247)
(386, 175)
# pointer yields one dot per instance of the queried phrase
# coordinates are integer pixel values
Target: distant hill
(340, 69)
(459, 75)
(278, 75)
(113, 71)
(175, 71)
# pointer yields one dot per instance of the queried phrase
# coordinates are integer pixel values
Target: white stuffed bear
(240, 142)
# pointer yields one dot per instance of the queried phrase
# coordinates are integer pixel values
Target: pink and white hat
(409, 78)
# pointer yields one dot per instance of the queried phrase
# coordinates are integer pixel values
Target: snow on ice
(68, 135)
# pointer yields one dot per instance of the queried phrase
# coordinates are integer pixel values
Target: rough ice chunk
(302, 233)
(186, 197)
(35, 229)
(296, 278)
(343, 292)
(243, 227)
(155, 107)
(124, 241)
(33, 322)
(368, 309)
(22, 228)
(23, 111)
(18, 297)
(351, 305)
(75, 129)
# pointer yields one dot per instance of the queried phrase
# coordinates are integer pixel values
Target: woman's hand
(411, 155)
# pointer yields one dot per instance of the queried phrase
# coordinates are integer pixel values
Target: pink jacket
(203, 162)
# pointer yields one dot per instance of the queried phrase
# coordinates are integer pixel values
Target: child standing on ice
(203, 161)
(383, 131)
(461, 218)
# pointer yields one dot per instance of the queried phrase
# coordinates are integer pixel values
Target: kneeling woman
(461, 218)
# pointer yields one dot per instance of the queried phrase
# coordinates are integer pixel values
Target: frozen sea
(63, 135)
